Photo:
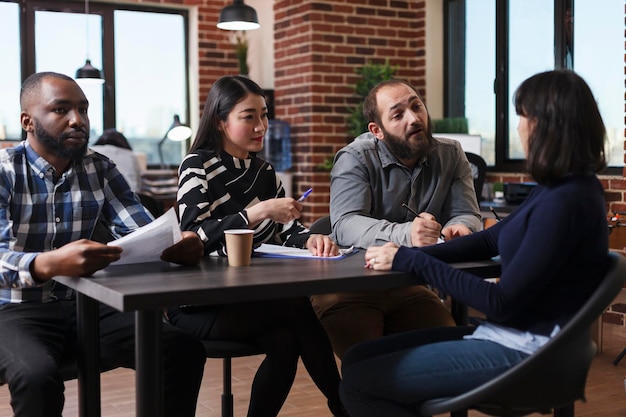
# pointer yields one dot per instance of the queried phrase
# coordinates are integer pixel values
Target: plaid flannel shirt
(39, 213)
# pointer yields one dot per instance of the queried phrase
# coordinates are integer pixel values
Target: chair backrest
(321, 226)
(479, 171)
(154, 207)
(555, 375)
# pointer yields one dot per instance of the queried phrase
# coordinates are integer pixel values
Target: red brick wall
(318, 46)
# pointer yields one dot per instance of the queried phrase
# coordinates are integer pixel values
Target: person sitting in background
(553, 249)
(53, 190)
(114, 145)
(397, 162)
(223, 184)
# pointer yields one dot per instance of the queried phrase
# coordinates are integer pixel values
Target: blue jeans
(389, 376)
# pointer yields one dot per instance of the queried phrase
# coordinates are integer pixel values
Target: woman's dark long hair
(115, 138)
(225, 93)
(568, 134)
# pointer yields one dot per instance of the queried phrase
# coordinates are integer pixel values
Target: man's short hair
(33, 82)
(370, 105)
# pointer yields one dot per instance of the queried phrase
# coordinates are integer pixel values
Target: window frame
(106, 11)
(454, 69)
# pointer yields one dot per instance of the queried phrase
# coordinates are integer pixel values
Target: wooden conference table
(148, 288)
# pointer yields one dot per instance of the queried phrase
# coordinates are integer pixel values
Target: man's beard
(56, 147)
(409, 148)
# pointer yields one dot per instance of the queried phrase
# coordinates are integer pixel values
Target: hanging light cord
(87, 29)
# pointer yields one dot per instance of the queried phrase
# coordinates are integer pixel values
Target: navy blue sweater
(553, 252)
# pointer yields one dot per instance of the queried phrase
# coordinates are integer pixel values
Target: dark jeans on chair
(34, 338)
(391, 375)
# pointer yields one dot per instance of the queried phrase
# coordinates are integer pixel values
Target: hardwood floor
(606, 396)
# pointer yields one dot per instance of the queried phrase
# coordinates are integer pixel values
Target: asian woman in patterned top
(224, 184)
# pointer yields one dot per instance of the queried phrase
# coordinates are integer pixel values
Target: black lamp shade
(88, 71)
(238, 16)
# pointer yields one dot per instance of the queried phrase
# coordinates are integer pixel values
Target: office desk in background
(148, 288)
(161, 185)
(502, 207)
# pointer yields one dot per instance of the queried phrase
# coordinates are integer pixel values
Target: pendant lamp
(88, 72)
(238, 16)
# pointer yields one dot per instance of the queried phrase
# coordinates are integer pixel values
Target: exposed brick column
(318, 46)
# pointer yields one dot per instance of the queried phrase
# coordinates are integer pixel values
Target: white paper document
(148, 242)
(276, 251)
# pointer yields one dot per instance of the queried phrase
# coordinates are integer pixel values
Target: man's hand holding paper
(161, 239)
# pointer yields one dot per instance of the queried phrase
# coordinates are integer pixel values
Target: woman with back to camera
(224, 185)
(114, 145)
(553, 250)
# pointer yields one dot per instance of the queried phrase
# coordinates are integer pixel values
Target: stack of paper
(148, 242)
(276, 251)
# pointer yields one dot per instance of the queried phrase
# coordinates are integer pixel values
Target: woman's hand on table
(322, 245)
(380, 258)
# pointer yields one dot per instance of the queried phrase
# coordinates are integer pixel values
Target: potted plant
(240, 42)
(371, 74)
(449, 125)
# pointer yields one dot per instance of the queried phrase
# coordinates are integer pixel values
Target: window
(150, 79)
(139, 50)
(599, 58)
(492, 46)
(10, 75)
(55, 30)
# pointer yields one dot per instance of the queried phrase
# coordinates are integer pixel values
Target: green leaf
(371, 74)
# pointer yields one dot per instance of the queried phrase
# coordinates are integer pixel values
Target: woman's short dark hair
(568, 133)
(115, 138)
(225, 93)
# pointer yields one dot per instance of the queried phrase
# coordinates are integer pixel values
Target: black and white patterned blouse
(214, 192)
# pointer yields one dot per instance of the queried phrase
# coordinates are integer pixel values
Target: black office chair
(227, 350)
(554, 377)
(154, 207)
(479, 172)
(321, 226)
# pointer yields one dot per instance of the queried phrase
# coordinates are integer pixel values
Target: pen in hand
(441, 236)
(305, 195)
(410, 209)
(498, 218)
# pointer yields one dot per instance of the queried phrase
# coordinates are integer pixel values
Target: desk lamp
(177, 133)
